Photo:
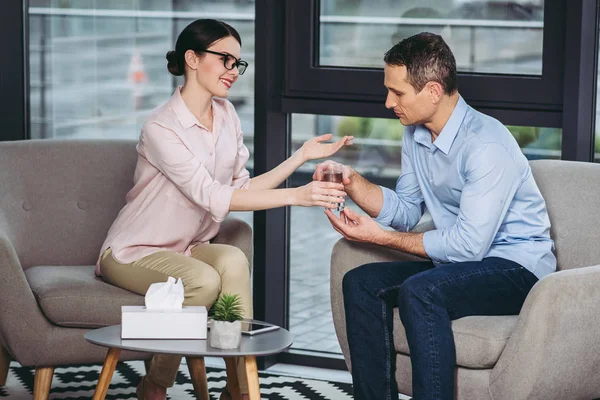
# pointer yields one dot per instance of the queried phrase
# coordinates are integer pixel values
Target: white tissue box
(138, 322)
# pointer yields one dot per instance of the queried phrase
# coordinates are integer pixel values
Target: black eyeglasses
(229, 61)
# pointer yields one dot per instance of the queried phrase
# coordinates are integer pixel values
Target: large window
(510, 64)
(597, 111)
(493, 37)
(376, 155)
(98, 67)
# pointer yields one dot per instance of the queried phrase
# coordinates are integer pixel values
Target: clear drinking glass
(332, 172)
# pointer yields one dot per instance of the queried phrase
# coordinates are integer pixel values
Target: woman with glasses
(190, 174)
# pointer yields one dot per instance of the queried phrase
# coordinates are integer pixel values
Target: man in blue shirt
(492, 238)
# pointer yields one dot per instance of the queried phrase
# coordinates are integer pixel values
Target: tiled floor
(312, 239)
(311, 242)
(301, 372)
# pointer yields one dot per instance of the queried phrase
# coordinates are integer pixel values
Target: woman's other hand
(314, 149)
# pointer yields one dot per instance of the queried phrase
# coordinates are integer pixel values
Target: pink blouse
(183, 182)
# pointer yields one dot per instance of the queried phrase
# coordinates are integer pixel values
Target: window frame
(513, 95)
(14, 91)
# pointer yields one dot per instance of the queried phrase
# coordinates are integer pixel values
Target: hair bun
(172, 64)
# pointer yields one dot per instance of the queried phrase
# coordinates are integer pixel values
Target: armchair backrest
(572, 193)
(58, 198)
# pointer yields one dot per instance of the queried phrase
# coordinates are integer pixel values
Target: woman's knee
(203, 290)
(234, 264)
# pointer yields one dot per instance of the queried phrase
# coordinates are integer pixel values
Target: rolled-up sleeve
(402, 209)
(241, 176)
(491, 181)
(165, 150)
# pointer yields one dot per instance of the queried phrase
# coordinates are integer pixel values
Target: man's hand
(354, 227)
(318, 174)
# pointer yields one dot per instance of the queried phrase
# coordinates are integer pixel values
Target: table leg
(108, 369)
(233, 384)
(197, 369)
(252, 376)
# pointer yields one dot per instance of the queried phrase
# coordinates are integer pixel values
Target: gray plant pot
(225, 335)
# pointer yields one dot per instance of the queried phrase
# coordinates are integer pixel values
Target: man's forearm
(365, 194)
(406, 242)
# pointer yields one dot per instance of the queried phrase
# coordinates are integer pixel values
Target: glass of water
(332, 172)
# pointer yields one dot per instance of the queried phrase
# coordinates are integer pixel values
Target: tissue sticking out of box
(165, 295)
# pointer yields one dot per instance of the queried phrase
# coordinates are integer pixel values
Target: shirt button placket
(430, 164)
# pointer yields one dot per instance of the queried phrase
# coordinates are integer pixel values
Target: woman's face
(210, 71)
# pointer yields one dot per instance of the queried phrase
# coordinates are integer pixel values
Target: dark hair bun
(172, 64)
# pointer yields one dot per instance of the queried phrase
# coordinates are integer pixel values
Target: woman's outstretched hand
(320, 194)
(313, 149)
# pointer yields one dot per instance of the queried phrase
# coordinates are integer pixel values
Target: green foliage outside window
(373, 128)
(537, 138)
(391, 129)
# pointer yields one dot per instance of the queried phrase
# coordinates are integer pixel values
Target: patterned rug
(79, 383)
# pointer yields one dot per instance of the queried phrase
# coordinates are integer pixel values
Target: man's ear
(435, 91)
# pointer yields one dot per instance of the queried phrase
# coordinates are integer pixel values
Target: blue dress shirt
(478, 188)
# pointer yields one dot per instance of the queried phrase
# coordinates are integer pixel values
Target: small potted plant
(226, 325)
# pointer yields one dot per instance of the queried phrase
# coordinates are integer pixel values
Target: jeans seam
(432, 354)
(474, 273)
(432, 357)
(388, 365)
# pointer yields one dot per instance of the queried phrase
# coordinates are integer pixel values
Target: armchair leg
(147, 364)
(197, 369)
(4, 365)
(42, 383)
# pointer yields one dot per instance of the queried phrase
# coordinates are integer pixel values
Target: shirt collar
(448, 134)
(185, 116)
(422, 136)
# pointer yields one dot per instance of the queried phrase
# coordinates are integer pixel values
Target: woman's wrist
(299, 157)
(293, 196)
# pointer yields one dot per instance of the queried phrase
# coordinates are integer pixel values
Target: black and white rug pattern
(79, 383)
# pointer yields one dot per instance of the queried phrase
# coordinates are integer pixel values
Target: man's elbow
(468, 252)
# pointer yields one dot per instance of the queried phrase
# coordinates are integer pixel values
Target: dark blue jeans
(428, 298)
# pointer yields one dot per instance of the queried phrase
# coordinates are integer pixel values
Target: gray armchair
(549, 351)
(57, 201)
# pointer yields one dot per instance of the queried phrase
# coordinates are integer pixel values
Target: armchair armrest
(346, 256)
(235, 232)
(552, 352)
(23, 327)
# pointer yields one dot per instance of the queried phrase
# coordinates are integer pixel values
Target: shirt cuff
(220, 203)
(245, 183)
(387, 212)
(433, 243)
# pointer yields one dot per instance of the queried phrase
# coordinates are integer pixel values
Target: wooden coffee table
(194, 350)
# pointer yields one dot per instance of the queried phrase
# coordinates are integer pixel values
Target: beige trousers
(211, 269)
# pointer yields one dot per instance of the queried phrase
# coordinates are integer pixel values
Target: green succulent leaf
(228, 307)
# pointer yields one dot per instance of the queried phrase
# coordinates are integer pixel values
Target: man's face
(410, 107)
